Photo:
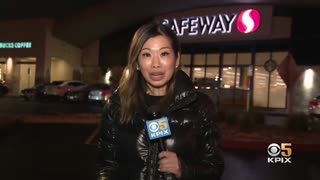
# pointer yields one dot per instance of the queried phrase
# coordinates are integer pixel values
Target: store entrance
(18, 73)
(27, 76)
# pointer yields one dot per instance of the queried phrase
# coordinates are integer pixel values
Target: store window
(236, 70)
(212, 70)
(233, 77)
(205, 71)
(228, 70)
(260, 92)
(199, 59)
(186, 63)
(198, 73)
(2, 69)
(235, 81)
(278, 90)
(212, 77)
(213, 59)
(199, 70)
(1, 72)
(243, 71)
(269, 89)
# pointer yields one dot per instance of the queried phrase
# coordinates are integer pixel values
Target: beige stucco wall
(91, 71)
(65, 61)
(62, 60)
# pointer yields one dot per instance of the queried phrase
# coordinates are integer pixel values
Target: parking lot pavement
(58, 151)
(47, 152)
(14, 109)
(15, 105)
(46, 140)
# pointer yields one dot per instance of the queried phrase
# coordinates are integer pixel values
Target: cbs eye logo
(154, 127)
(284, 150)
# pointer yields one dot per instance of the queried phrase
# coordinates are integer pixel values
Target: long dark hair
(132, 87)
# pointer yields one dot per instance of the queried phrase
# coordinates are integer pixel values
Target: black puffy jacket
(124, 151)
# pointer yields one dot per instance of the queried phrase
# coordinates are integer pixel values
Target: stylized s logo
(248, 21)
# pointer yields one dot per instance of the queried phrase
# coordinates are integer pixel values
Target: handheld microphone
(158, 127)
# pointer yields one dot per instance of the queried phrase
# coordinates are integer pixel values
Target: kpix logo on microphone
(248, 21)
(158, 128)
(279, 153)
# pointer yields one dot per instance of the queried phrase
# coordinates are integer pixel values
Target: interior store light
(308, 79)
(107, 77)
(9, 65)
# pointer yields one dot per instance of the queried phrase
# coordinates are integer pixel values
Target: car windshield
(99, 86)
(56, 82)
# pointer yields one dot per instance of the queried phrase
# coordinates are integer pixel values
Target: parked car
(205, 83)
(100, 94)
(4, 89)
(60, 88)
(81, 95)
(34, 93)
(314, 114)
(314, 106)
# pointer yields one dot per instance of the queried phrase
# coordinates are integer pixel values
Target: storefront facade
(238, 55)
(31, 55)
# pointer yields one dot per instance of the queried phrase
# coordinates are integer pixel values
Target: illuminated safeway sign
(230, 23)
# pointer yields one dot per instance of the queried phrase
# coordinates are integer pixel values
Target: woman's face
(157, 63)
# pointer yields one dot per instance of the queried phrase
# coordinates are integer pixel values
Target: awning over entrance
(113, 15)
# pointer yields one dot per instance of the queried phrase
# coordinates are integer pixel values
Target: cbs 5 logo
(285, 149)
(160, 124)
(163, 125)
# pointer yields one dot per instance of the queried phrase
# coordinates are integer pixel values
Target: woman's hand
(169, 163)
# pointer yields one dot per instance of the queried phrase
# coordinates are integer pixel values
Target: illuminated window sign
(15, 45)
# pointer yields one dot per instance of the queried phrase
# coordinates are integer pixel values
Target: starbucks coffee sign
(15, 45)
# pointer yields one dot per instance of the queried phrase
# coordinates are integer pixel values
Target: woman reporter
(152, 79)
